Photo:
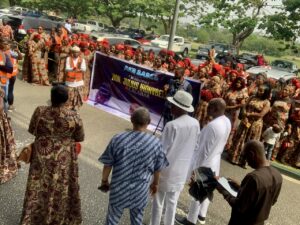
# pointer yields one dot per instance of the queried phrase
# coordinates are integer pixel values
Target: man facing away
(179, 140)
(259, 190)
(134, 157)
(212, 141)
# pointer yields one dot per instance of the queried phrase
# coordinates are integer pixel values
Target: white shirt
(270, 137)
(68, 26)
(179, 141)
(69, 68)
(213, 139)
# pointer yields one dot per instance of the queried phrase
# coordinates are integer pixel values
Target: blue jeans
(268, 150)
(5, 89)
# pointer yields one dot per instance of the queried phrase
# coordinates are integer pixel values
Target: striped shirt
(134, 156)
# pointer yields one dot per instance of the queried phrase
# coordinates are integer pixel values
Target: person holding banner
(178, 83)
(75, 68)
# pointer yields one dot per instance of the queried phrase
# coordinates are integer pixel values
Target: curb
(287, 170)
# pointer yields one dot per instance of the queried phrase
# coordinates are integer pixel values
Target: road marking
(291, 179)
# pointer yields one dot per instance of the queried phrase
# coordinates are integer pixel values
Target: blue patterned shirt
(134, 156)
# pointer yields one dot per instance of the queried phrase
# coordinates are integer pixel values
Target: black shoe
(182, 220)
(201, 219)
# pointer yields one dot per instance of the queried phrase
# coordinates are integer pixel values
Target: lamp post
(174, 24)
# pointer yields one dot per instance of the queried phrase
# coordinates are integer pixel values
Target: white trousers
(169, 199)
(197, 209)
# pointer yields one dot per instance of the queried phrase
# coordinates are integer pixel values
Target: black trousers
(10, 92)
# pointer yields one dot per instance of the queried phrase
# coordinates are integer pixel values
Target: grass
(293, 59)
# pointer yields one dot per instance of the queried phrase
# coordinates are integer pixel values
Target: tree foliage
(240, 17)
(284, 25)
(117, 10)
(75, 8)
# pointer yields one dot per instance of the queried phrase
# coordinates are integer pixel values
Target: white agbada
(212, 141)
(179, 140)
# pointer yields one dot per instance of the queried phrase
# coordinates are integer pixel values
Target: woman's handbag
(25, 154)
(77, 148)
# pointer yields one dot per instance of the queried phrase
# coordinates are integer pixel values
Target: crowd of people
(254, 103)
(234, 108)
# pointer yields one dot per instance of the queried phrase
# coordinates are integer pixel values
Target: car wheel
(185, 52)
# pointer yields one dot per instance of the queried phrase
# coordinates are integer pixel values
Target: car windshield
(282, 64)
(164, 38)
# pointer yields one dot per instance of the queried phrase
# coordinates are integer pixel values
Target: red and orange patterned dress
(52, 194)
(8, 158)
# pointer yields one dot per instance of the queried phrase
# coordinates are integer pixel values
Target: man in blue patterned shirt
(133, 157)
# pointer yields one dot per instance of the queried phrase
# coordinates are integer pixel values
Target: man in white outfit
(179, 140)
(213, 139)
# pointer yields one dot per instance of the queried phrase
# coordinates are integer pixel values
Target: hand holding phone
(104, 187)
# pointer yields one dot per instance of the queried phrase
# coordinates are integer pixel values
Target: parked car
(179, 45)
(121, 39)
(21, 24)
(219, 48)
(147, 39)
(249, 60)
(95, 26)
(276, 70)
(81, 26)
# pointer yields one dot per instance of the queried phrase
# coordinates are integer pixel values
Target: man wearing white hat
(212, 141)
(75, 68)
(179, 140)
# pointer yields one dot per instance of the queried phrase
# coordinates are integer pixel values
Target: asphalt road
(99, 128)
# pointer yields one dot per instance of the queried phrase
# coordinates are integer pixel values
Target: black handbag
(204, 185)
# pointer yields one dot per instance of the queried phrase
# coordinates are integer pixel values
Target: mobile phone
(104, 188)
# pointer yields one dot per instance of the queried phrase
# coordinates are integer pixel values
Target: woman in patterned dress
(279, 114)
(52, 194)
(289, 152)
(211, 90)
(259, 80)
(38, 65)
(250, 127)
(8, 158)
(235, 98)
(63, 54)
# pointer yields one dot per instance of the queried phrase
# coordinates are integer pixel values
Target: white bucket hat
(75, 49)
(183, 100)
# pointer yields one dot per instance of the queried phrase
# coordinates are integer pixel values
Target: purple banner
(124, 86)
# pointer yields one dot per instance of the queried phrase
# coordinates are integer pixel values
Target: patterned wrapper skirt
(8, 157)
(244, 134)
(201, 113)
(75, 100)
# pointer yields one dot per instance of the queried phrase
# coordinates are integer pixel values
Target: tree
(4, 3)
(240, 17)
(284, 25)
(117, 10)
(75, 8)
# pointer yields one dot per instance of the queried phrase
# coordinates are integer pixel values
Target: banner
(124, 86)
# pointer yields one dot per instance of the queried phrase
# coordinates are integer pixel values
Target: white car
(82, 26)
(179, 44)
(276, 70)
(95, 26)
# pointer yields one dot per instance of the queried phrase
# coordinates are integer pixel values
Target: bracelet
(104, 181)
